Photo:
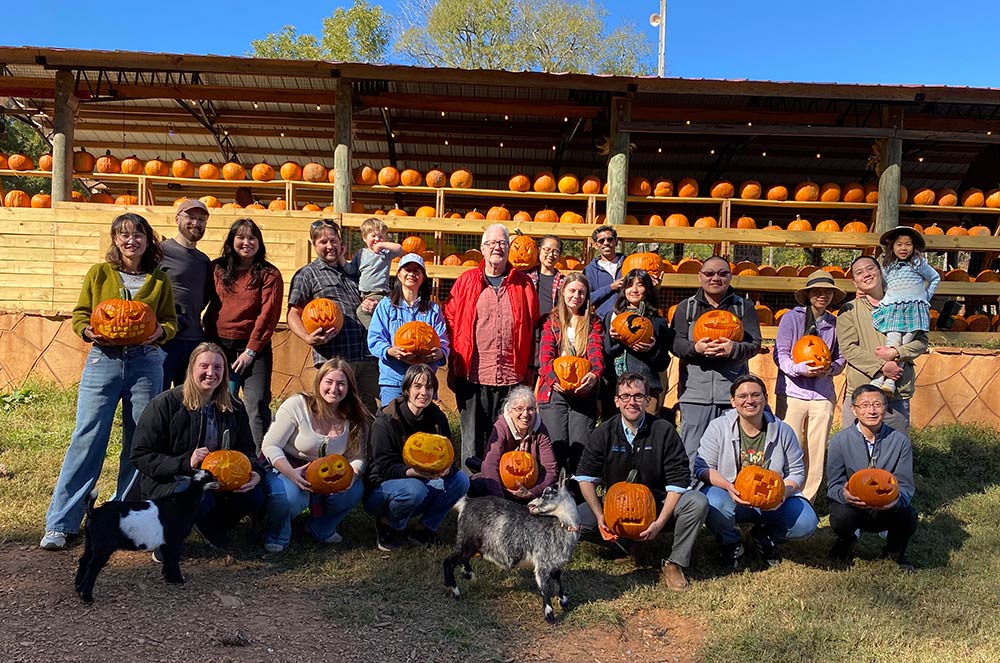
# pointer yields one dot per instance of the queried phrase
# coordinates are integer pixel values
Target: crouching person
(181, 426)
(870, 443)
(636, 440)
(748, 434)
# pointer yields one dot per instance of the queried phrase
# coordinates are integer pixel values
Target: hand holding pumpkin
(735, 494)
(197, 456)
(91, 335)
(157, 334)
(587, 384)
(250, 484)
(852, 500)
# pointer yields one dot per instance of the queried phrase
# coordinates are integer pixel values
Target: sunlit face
(131, 242)
(631, 400)
(334, 387)
(607, 244)
(522, 413)
(191, 224)
(902, 248)
(867, 275)
(820, 298)
(208, 370)
(548, 253)
(421, 393)
(749, 400)
(869, 408)
(635, 292)
(715, 276)
(575, 295)
(374, 237)
(246, 244)
(411, 276)
(327, 245)
(495, 247)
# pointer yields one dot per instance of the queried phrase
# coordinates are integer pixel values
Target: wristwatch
(251, 353)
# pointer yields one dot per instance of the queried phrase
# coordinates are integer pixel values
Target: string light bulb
(920, 159)
(818, 155)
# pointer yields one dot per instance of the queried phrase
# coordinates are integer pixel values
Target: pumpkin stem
(322, 448)
(225, 439)
(632, 475)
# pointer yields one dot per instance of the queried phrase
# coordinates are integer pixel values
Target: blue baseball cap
(410, 258)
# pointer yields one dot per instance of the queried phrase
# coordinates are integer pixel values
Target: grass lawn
(799, 611)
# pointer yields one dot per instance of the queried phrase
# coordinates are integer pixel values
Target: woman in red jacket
(573, 329)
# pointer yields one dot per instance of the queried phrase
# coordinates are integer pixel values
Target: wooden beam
(62, 139)
(618, 161)
(890, 152)
(486, 106)
(343, 146)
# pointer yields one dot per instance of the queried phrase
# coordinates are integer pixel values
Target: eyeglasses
(500, 243)
(743, 398)
(869, 405)
(635, 398)
(549, 251)
(324, 223)
(521, 409)
(721, 273)
(605, 240)
(202, 218)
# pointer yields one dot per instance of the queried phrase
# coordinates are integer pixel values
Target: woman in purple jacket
(804, 393)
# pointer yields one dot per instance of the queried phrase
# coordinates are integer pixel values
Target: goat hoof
(455, 592)
(563, 601)
(87, 598)
(550, 614)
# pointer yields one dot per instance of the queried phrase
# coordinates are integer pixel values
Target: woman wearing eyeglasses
(750, 435)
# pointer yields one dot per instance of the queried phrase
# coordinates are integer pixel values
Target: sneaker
(386, 538)
(673, 577)
(334, 538)
(421, 536)
(888, 387)
(274, 548)
(731, 556)
(766, 549)
(53, 540)
(157, 556)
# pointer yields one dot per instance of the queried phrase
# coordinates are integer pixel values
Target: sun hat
(890, 236)
(820, 279)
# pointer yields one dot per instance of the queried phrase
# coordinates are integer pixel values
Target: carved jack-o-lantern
(718, 324)
(812, 349)
(873, 486)
(761, 487)
(322, 313)
(517, 469)
(650, 262)
(230, 468)
(523, 252)
(428, 452)
(632, 328)
(417, 337)
(123, 321)
(629, 509)
(570, 370)
(329, 474)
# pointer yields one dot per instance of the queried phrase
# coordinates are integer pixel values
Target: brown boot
(673, 577)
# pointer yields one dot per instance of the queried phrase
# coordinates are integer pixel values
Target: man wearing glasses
(635, 440)
(870, 443)
(866, 352)
(190, 275)
(330, 276)
(491, 315)
(604, 272)
(709, 367)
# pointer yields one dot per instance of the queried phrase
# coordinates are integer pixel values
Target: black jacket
(658, 455)
(167, 434)
(390, 431)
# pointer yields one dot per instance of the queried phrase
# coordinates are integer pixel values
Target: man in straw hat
(804, 389)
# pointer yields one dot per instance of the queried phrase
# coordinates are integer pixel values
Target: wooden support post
(344, 114)
(62, 139)
(890, 164)
(621, 112)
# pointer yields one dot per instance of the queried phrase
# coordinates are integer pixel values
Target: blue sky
(851, 41)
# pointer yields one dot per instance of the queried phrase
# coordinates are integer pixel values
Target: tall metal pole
(663, 37)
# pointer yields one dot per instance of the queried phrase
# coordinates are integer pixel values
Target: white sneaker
(53, 541)
(274, 548)
(334, 538)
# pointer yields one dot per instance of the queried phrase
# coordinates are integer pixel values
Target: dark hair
(743, 379)
(153, 254)
(715, 257)
(415, 371)
(228, 262)
(643, 277)
(631, 377)
(850, 270)
(317, 227)
(424, 291)
(558, 241)
(868, 389)
(604, 229)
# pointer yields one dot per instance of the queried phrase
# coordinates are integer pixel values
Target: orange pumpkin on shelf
(933, 229)
(652, 220)
(829, 192)
(417, 337)
(276, 205)
(980, 231)
(314, 172)
(687, 188)
(813, 350)
(388, 176)
(638, 186)
(461, 179)
(329, 474)
(20, 162)
(591, 184)
(717, 324)
(498, 213)
(436, 178)
(568, 183)
(309, 207)
(777, 192)
(183, 168)
(750, 190)
(973, 198)
(977, 322)
(411, 177)
(41, 201)
(102, 198)
(799, 224)
(570, 371)
(475, 215)
(233, 171)
(523, 254)
(414, 244)
(761, 487)
(629, 508)
(946, 198)
(16, 198)
(157, 168)
(519, 183)
(546, 216)
(45, 162)
(632, 328)
(211, 202)
(688, 266)
(262, 172)
(322, 313)
(230, 468)
(807, 192)
(84, 162)
(571, 217)
(871, 193)
(663, 188)
(123, 321)
(924, 196)
(764, 315)
(828, 226)
(127, 199)
(425, 212)
(206, 171)
(856, 227)
(544, 182)
(853, 192)
(453, 260)
(706, 222)
(428, 452)
(957, 231)
(518, 469)
(365, 175)
(722, 189)
(108, 164)
(746, 223)
(677, 221)
(290, 171)
(993, 199)
(650, 262)
(874, 486)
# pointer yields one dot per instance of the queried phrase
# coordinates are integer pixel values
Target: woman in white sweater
(330, 420)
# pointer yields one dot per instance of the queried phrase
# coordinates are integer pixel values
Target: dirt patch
(246, 611)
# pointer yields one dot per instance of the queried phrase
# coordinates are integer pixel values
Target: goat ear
(562, 478)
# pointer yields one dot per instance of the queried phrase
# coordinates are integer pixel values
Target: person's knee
(720, 502)
(804, 521)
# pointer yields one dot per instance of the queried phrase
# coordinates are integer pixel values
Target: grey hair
(496, 226)
(517, 395)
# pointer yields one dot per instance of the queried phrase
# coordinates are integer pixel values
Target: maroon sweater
(245, 313)
(537, 444)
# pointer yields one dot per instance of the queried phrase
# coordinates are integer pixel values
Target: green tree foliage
(19, 138)
(357, 34)
(537, 35)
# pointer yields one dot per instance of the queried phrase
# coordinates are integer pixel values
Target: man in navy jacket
(604, 273)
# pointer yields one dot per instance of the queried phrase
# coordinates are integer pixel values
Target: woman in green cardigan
(131, 374)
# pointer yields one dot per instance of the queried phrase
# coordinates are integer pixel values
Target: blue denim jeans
(285, 501)
(131, 375)
(401, 499)
(794, 519)
(387, 392)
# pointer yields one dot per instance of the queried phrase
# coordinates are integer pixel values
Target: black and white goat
(542, 536)
(161, 524)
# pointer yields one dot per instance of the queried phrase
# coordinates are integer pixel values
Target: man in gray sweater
(870, 443)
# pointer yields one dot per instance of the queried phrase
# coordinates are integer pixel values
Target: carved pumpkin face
(428, 452)
(570, 370)
(649, 262)
(230, 468)
(123, 322)
(761, 487)
(322, 313)
(417, 337)
(523, 252)
(329, 474)
(629, 509)
(517, 468)
(632, 328)
(718, 324)
(874, 486)
(812, 349)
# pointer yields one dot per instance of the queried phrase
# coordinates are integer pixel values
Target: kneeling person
(634, 439)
